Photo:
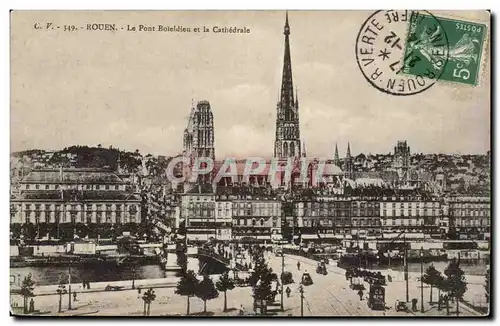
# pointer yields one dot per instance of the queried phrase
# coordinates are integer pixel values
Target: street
(329, 295)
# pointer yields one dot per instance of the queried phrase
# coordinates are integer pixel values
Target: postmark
(386, 61)
(465, 39)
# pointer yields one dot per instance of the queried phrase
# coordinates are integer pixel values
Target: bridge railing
(222, 259)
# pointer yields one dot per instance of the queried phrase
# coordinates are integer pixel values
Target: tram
(376, 297)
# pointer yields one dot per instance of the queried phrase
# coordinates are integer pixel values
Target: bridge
(220, 259)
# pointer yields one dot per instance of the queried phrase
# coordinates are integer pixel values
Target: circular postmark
(402, 52)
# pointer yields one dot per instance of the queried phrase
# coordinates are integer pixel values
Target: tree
(225, 284)
(441, 286)
(431, 277)
(27, 291)
(61, 290)
(487, 285)
(187, 286)
(206, 291)
(260, 280)
(148, 297)
(455, 281)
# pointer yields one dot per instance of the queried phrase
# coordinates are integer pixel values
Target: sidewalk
(100, 286)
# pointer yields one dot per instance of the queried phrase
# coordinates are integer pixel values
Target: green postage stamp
(461, 56)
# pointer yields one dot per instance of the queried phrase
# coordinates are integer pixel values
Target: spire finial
(287, 26)
(304, 154)
(348, 149)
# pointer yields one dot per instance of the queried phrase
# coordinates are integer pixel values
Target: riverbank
(101, 286)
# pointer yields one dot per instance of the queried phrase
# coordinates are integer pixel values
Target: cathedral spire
(287, 142)
(287, 83)
(336, 159)
(348, 156)
(304, 149)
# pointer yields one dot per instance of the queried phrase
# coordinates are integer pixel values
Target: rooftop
(73, 175)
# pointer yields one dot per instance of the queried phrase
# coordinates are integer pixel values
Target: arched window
(261, 222)
(253, 222)
(292, 149)
(285, 149)
(292, 115)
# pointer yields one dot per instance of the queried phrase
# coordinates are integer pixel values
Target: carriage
(306, 279)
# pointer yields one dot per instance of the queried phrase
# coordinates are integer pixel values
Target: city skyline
(130, 108)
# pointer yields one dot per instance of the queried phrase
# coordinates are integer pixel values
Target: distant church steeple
(304, 154)
(348, 164)
(287, 142)
(336, 159)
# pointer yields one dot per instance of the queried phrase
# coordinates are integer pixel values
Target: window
(97, 187)
(27, 186)
(57, 187)
(106, 187)
(47, 186)
(261, 222)
(117, 187)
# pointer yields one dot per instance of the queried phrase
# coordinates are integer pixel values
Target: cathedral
(199, 136)
(287, 143)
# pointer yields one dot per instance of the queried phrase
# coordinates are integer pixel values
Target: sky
(134, 90)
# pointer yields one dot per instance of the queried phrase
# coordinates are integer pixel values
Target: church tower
(348, 163)
(199, 136)
(287, 142)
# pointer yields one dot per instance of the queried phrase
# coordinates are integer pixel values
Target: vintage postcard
(250, 163)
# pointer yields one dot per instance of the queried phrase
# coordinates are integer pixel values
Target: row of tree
(189, 286)
(452, 282)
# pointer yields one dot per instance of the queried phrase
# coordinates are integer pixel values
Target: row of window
(470, 213)
(73, 218)
(82, 187)
(73, 207)
(410, 212)
(412, 205)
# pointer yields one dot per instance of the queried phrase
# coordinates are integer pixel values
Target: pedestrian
(288, 291)
(74, 296)
(139, 292)
(397, 304)
(360, 293)
(414, 303)
(32, 305)
(298, 265)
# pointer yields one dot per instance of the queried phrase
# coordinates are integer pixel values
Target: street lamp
(421, 279)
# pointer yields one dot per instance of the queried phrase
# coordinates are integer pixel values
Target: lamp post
(282, 277)
(421, 279)
(69, 285)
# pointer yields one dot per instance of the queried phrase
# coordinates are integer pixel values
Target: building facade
(68, 203)
(470, 217)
